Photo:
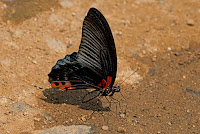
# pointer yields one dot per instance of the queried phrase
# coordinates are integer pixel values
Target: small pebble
(190, 22)
(38, 87)
(169, 48)
(73, 14)
(169, 123)
(152, 71)
(121, 130)
(48, 117)
(26, 90)
(180, 63)
(37, 119)
(3, 101)
(119, 33)
(136, 121)
(65, 122)
(45, 123)
(83, 118)
(176, 54)
(134, 53)
(122, 115)
(153, 59)
(105, 127)
(68, 46)
(62, 30)
(34, 61)
(143, 51)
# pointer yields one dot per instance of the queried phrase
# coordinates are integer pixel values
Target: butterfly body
(94, 65)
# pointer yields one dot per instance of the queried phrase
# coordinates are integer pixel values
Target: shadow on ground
(75, 97)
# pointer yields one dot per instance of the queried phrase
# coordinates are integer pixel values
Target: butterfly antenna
(129, 76)
(122, 83)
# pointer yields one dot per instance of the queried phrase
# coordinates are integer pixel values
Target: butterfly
(95, 63)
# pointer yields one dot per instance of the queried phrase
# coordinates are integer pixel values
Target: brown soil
(158, 38)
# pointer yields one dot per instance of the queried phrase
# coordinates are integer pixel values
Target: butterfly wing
(95, 64)
(70, 74)
(97, 49)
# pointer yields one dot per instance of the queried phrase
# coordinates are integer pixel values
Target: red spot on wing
(69, 88)
(109, 80)
(105, 83)
(63, 85)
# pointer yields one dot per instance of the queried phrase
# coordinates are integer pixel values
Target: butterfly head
(110, 91)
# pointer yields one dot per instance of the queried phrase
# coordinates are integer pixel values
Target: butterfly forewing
(97, 49)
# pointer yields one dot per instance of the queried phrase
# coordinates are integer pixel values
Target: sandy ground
(158, 38)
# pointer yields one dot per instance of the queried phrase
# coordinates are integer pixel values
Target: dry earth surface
(158, 38)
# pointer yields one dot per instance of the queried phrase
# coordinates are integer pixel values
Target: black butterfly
(95, 64)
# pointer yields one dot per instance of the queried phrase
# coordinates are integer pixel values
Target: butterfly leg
(125, 102)
(108, 102)
(116, 102)
(99, 111)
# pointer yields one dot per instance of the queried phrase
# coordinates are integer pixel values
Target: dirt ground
(159, 39)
